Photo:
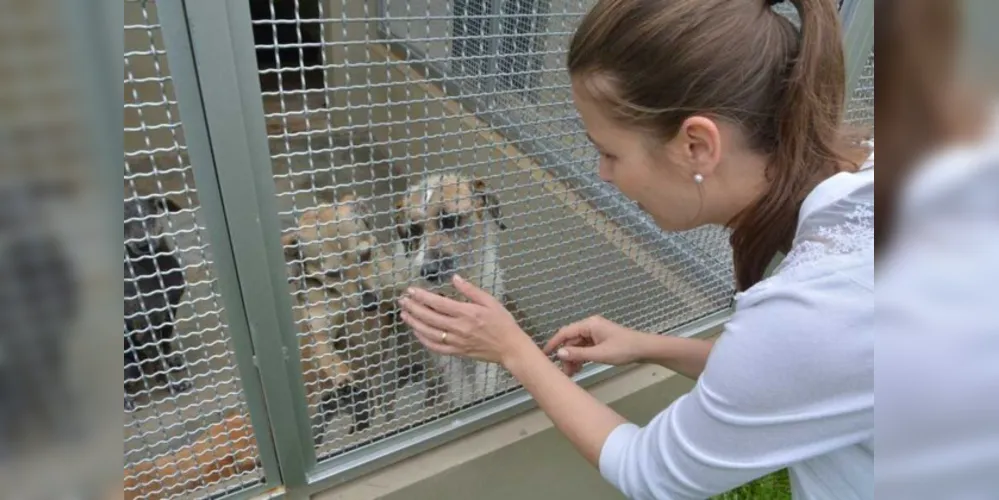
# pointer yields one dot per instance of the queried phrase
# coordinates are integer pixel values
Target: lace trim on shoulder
(854, 234)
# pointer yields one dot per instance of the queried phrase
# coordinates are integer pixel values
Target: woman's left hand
(481, 329)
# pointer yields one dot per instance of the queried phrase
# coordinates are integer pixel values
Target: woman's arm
(682, 355)
(781, 387)
(584, 420)
(599, 340)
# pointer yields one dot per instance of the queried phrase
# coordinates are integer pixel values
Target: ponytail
(809, 139)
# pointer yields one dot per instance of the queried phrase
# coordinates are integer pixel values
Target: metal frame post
(190, 101)
(220, 98)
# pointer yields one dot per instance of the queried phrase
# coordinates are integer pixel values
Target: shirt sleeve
(785, 382)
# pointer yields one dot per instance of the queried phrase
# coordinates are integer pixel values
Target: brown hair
(920, 108)
(658, 62)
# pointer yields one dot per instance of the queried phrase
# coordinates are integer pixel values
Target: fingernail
(458, 279)
(410, 291)
(562, 353)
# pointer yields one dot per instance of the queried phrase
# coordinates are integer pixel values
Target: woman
(716, 112)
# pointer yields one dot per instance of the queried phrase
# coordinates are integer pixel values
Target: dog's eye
(415, 230)
(365, 256)
(334, 274)
(449, 221)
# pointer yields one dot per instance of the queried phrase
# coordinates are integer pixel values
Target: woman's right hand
(595, 339)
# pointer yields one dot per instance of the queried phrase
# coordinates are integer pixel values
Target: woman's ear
(700, 145)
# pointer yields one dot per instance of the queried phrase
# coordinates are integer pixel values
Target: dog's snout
(438, 267)
(429, 271)
(369, 301)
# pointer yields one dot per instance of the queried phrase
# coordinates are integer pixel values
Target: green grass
(776, 486)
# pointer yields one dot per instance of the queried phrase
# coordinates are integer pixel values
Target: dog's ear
(292, 252)
(489, 201)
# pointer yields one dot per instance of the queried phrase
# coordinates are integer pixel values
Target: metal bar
(858, 39)
(365, 460)
(222, 40)
(190, 102)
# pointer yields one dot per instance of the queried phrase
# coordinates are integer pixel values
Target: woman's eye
(449, 222)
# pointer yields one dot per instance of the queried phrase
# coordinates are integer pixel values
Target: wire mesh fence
(186, 427)
(408, 141)
(860, 110)
(452, 126)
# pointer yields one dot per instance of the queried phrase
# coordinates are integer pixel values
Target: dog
(154, 286)
(346, 309)
(224, 450)
(39, 301)
(448, 224)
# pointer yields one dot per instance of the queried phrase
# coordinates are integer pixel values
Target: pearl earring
(698, 178)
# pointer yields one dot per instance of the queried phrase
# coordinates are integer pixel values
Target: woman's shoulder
(826, 281)
(834, 240)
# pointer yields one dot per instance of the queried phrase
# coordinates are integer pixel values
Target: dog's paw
(176, 361)
(319, 427)
(436, 393)
(180, 387)
(361, 426)
(329, 405)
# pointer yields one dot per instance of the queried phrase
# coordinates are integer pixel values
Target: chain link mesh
(373, 99)
(860, 110)
(187, 431)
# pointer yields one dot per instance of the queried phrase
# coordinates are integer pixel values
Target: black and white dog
(154, 285)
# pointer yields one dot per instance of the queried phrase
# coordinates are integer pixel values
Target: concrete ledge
(524, 457)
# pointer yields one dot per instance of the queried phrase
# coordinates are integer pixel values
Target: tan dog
(449, 224)
(224, 450)
(346, 306)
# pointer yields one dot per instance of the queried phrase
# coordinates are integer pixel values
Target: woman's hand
(481, 329)
(595, 339)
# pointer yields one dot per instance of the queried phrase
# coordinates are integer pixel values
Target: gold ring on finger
(444, 338)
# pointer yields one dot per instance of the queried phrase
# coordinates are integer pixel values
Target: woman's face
(651, 175)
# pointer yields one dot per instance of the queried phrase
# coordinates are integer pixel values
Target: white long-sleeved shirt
(789, 383)
(938, 326)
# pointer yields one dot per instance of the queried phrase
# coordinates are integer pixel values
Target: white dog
(446, 225)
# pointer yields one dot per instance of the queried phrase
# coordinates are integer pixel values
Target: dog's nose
(437, 270)
(431, 271)
(369, 301)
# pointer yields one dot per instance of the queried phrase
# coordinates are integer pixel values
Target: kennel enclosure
(247, 113)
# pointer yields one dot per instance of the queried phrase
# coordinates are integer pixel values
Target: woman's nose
(605, 173)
